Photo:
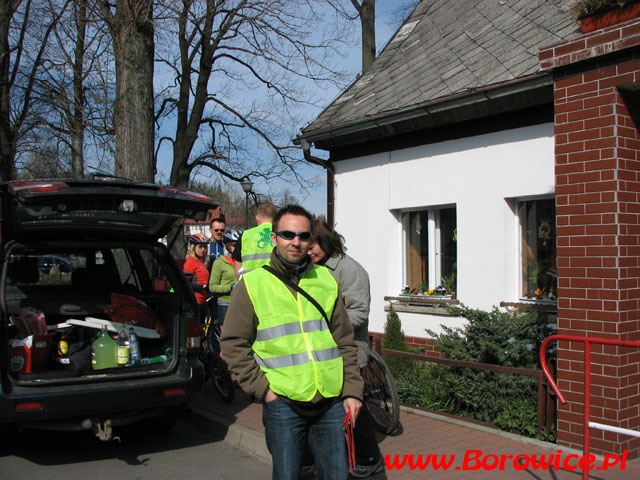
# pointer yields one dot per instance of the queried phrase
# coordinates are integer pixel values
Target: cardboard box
(30, 354)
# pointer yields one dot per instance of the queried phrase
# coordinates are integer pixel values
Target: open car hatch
(97, 208)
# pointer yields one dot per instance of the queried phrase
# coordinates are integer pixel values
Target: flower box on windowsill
(421, 299)
(544, 304)
(422, 304)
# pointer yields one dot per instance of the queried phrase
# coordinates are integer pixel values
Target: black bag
(78, 357)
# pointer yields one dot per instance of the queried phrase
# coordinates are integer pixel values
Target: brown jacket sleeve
(343, 335)
(238, 335)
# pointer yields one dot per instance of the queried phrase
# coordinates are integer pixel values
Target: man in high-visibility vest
(283, 350)
(254, 247)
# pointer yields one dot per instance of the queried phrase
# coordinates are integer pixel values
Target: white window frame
(434, 247)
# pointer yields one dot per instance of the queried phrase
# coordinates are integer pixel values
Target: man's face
(295, 250)
(217, 231)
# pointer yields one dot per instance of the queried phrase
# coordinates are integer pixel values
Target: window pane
(538, 222)
(417, 248)
(449, 246)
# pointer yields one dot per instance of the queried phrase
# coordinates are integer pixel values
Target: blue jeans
(287, 433)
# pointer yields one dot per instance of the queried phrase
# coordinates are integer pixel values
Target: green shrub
(509, 339)
(505, 400)
(501, 338)
(394, 339)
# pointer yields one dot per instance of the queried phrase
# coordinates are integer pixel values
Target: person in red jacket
(195, 268)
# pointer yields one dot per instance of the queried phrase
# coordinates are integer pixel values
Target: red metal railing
(587, 385)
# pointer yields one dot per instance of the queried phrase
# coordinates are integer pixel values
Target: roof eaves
(468, 98)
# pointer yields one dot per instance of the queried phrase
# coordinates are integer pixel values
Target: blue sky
(315, 199)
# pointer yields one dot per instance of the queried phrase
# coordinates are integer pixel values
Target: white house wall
(481, 176)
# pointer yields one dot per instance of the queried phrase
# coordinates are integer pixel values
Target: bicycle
(216, 368)
(380, 394)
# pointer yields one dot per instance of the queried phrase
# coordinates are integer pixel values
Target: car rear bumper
(79, 406)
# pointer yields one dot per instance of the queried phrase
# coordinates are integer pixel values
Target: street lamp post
(246, 185)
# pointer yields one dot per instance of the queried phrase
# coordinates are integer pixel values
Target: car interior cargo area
(87, 311)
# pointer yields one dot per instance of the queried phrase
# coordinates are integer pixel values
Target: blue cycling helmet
(198, 239)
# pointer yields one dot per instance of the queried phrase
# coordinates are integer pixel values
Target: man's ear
(273, 238)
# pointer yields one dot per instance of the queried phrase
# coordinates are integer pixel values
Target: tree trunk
(7, 135)
(368, 25)
(77, 122)
(133, 44)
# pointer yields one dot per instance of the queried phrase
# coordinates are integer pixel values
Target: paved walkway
(423, 434)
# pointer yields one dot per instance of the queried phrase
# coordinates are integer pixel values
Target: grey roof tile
(451, 46)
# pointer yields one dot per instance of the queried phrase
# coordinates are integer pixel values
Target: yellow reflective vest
(294, 346)
(256, 247)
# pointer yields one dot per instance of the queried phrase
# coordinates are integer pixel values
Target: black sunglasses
(289, 235)
(219, 230)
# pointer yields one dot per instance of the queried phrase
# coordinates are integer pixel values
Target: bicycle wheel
(220, 377)
(380, 394)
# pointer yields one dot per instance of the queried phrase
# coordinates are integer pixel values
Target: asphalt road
(193, 449)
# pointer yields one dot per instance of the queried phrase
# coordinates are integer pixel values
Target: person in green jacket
(223, 276)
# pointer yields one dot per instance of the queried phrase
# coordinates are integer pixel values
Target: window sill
(542, 305)
(420, 304)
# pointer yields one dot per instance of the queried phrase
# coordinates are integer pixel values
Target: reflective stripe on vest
(298, 358)
(294, 346)
(290, 329)
(256, 247)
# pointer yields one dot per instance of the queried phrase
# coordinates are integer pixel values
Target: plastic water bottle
(122, 350)
(103, 351)
(134, 347)
(156, 359)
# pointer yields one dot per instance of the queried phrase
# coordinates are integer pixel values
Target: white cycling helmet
(231, 236)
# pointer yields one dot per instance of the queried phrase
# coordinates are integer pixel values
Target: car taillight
(193, 334)
(26, 406)
(38, 186)
(172, 392)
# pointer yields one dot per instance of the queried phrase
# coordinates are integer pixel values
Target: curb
(239, 435)
(475, 426)
(495, 431)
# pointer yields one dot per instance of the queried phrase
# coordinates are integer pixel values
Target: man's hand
(270, 396)
(352, 405)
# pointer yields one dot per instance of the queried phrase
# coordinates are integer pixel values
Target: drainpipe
(328, 166)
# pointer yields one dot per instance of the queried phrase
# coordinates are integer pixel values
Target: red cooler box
(30, 354)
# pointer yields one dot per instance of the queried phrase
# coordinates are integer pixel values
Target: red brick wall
(424, 344)
(598, 230)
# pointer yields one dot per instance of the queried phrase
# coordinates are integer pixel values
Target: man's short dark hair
(217, 219)
(291, 210)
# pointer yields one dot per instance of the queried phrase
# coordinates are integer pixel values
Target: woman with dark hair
(327, 248)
